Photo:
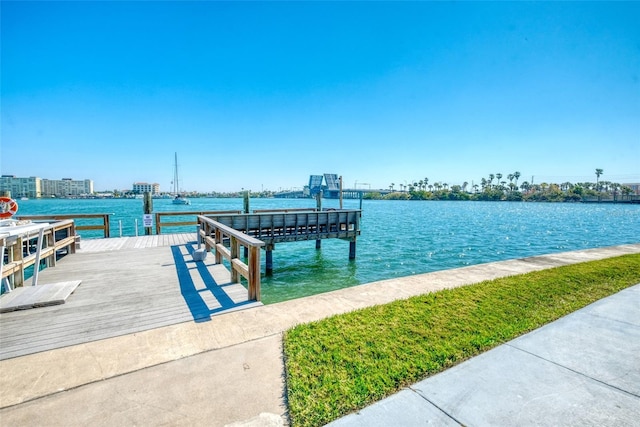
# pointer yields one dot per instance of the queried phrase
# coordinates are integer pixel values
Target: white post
(36, 265)
(120, 225)
(7, 285)
(136, 227)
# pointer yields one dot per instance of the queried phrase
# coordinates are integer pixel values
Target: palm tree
(426, 182)
(598, 173)
(491, 176)
(391, 186)
(516, 175)
(510, 178)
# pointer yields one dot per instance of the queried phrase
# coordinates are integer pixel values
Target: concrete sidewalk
(582, 370)
(230, 371)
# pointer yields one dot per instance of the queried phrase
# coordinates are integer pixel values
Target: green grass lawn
(346, 362)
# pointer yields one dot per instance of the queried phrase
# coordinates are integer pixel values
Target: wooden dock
(128, 285)
(293, 225)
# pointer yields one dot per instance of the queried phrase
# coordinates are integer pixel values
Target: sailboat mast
(175, 174)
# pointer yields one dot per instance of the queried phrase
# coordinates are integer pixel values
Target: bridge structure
(329, 185)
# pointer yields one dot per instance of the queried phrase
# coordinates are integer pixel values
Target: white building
(144, 187)
(21, 187)
(66, 187)
(34, 187)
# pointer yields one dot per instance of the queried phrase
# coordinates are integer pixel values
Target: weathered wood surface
(27, 297)
(127, 286)
(119, 243)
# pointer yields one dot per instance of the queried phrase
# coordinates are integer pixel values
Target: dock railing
(226, 243)
(104, 226)
(21, 250)
(180, 223)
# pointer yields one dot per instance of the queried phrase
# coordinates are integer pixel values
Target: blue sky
(259, 95)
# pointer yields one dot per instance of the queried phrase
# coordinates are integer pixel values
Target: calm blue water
(399, 238)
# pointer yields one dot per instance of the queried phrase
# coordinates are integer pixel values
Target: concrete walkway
(229, 371)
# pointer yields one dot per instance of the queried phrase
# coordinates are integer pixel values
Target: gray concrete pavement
(229, 371)
(582, 370)
(212, 388)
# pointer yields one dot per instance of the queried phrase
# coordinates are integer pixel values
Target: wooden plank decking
(26, 297)
(129, 284)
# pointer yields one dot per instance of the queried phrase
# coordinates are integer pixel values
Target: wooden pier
(129, 284)
(278, 226)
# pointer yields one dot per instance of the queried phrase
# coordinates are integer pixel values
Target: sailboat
(178, 199)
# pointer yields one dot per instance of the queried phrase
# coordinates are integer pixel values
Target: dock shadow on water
(198, 297)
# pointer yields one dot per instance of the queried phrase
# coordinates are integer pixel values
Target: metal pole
(36, 265)
(136, 227)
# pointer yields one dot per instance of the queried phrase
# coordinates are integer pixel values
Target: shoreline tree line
(499, 187)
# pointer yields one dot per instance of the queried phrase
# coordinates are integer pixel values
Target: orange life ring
(8, 207)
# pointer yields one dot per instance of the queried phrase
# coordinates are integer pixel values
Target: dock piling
(148, 208)
(269, 259)
(319, 209)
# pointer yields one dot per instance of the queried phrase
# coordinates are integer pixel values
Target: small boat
(179, 199)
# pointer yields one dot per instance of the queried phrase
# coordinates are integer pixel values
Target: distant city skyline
(260, 95)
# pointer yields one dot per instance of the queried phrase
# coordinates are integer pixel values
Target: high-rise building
(34, 187)
(21, 187)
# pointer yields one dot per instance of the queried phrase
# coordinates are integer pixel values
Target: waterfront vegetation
(494, 188)
(343, 363)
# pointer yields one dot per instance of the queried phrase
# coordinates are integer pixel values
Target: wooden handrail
(105, 226)
(285, 210)
(215, 234)
(160, 215)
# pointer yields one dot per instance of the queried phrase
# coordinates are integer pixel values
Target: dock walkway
(161, 285)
